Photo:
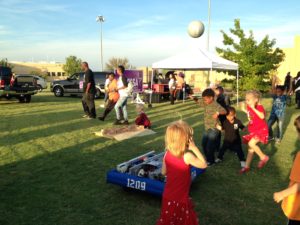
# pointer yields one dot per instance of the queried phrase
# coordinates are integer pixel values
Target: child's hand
(278, 197)
(219, 127)
(192, 145)
(243, 106)
(215, 116)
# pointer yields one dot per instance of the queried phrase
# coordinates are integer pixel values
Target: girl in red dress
(177, 207)
(258, 130)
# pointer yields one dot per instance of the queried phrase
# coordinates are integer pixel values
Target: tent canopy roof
(196, 59)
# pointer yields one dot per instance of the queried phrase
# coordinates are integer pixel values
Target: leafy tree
(72, 65)
(4, 62)
(254, 59)
(113, 63)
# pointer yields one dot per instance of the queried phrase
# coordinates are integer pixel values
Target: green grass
(53, 169)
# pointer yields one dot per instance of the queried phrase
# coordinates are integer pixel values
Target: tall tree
(256, 60)
(113, 63)
(72, 65)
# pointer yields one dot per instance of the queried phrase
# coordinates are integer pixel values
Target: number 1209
(136, 184)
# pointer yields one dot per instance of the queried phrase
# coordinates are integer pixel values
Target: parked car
(73, 85)
(41, 82)
(20, 87)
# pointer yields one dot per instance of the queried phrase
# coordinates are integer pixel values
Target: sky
(142, 31)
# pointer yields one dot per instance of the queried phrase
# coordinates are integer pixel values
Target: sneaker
(84, 116)
(209, 164)
(270, 139)
(244, 170)
(102, 106)
(90, 117)
(101, 118)
(243, 164)
(218, 160)
(117, 122)
(263, 162)
(277, 140)
(125, 122)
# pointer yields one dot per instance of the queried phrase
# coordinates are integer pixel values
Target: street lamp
(208, 27)
(100, 19)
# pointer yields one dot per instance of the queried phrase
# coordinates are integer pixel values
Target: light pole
(100, 19)
(208, 26)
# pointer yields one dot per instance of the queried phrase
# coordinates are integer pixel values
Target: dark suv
(21, 87)
(74, 84)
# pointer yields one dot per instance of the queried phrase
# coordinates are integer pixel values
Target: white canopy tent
(197, 59)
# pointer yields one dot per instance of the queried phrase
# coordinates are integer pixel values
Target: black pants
(110, 106)
(294, 222)
(172, 93)
(235, 147)
(88, 105)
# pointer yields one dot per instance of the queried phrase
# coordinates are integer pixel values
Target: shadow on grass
(69, 125)
(68, 187)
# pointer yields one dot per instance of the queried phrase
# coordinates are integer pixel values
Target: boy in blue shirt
(278, 112)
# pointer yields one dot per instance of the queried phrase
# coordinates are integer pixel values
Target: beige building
(52, 70)
(292, 60)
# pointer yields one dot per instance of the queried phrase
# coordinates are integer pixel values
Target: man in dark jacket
(89, 88)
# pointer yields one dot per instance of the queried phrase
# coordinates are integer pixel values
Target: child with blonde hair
(177, 207)
(258, 130)
(142, 119)
(290, 196)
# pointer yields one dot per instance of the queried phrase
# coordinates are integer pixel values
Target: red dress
(258, 128)
(177, 207)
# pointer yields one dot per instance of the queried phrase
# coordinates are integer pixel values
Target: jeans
(211, 143)
(106, 97)
(88, 104)
(272, 119)
(121, 103)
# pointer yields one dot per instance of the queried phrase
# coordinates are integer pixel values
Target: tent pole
(183, 88)
(237, 87)
(210, 75)
(150, 99)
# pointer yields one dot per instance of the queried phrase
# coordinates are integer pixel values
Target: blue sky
(143, 31)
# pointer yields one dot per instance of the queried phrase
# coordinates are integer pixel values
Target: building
(52, 70)
(291, 62)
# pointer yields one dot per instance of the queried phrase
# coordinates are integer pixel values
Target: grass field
(53, 168)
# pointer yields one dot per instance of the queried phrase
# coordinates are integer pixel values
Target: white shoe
(243, 164)
(218, 160)
(102, 106)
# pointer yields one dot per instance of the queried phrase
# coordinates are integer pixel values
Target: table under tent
(196, 60)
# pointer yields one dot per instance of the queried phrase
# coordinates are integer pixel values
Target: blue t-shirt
(279, 105)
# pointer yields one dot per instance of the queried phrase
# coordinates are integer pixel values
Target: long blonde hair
(177, 137)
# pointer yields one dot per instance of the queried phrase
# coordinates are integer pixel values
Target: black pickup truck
(21, 87)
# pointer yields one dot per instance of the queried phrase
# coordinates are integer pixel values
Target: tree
(256, 60)
(4, 62)
(113, 63)
(72, 65)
